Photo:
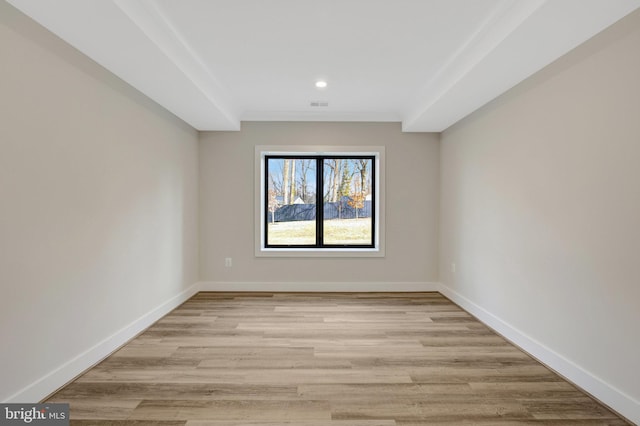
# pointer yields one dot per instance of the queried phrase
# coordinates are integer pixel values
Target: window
(312, 202)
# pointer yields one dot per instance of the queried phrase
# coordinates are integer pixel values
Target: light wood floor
(324, 359)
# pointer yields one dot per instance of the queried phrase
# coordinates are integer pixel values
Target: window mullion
(319, 202)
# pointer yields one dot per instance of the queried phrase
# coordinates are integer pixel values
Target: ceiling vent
(319, 103)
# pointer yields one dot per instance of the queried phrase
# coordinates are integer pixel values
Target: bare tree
(344, 189)
(362, 166)
(337, 180)
(292, 192)
(305, 166)
(273, 204)
(286, 185)
(329, 177)
(334, 166)
(275, 184)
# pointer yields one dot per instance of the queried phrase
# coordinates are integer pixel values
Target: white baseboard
(297, 286)
(617, 400)
(57, 378)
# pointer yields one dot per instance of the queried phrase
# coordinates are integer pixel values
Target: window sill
(324, 252)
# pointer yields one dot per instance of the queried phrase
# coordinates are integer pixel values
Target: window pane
(291, 208)
(347, 201)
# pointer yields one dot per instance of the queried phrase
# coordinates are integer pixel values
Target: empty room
(341, 213)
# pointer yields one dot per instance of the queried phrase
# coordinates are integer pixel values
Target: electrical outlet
(453, 267)
(228, 262)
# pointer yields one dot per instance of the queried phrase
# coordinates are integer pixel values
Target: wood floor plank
(294, 423)
(93, 422)
(100, 408)
(324, 359)
(428, 411)
(232, 410)
(79, 391)
(382, 392)
(253, 376)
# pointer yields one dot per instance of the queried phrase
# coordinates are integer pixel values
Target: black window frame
(320, 158)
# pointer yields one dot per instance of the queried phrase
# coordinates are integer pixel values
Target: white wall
(227, 210)
(540, 211)
(98, 216)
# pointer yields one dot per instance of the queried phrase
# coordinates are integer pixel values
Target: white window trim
(259, 186)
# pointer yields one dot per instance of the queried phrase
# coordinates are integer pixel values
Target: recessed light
(321, 84)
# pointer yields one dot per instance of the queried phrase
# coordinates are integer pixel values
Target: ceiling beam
(493, 61)
(149, 17)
